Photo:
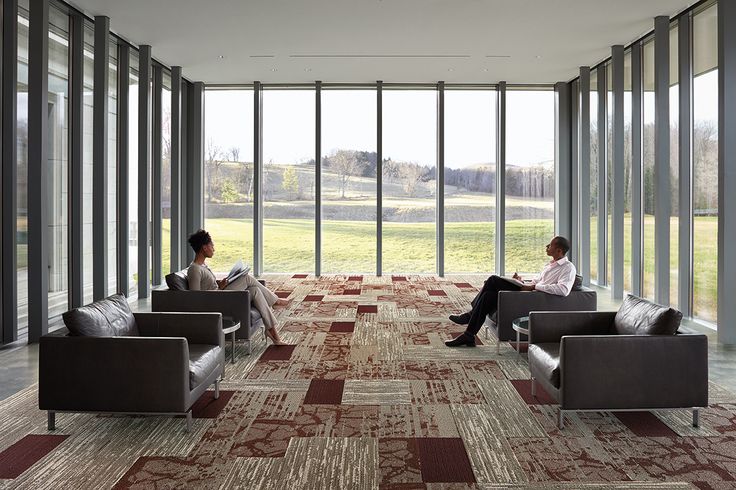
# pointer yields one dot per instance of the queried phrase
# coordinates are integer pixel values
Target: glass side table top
(521, 324)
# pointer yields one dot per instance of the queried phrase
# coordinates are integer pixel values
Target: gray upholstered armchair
(631, 359)
(115, 361)
(516, 304)
(233, 305)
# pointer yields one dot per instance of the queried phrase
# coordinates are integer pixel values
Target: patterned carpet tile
(366, 395)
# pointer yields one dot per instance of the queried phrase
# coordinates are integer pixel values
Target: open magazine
(239, 269)
(516, 281)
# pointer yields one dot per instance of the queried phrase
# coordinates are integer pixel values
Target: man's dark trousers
(486, 301)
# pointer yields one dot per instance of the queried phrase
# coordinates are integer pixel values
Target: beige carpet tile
(416, 421)
(624, 485)
(328, 462)
(261, 473)
(491, 456)
(376, 392)
(680, 421)
(506, 411)
(250, 385)
(514, 367)
(445, 392)
(429, 353)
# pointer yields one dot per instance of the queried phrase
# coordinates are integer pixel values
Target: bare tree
(345, 164)
(411, 175)
(234, 154)
(212, 167)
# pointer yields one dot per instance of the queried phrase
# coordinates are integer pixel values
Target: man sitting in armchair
(557, 278)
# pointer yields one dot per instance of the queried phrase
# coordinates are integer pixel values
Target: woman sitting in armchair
(200, 277)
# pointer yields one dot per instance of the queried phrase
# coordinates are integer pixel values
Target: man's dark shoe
(462, 339)
(463, 319)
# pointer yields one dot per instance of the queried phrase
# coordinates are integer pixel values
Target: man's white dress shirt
(557, 278)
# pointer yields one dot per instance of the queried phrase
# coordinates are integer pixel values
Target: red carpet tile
(436, 292)
(25, 453)
(444, 460)
(342, 327)
(464, 285)
(324, 392)
(367, 309)
(277, 353)
(456, 334)
(524, 387)
(355, 278)
(398, 278)
(207, 407)
(313, 297)
(283, 294)
(352, 291)
(645, 424)
(300, 276)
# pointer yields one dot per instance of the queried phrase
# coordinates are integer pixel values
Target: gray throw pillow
(178, 281)
(109, 317)
(637, 316)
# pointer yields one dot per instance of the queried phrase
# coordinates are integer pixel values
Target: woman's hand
(222, 283)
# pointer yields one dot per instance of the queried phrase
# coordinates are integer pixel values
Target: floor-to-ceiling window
(648, 108)
(58, 161)
(22, 165)
(609, 173)
(674, 165)
(228, 175)
(470, 180)
(112, 165)
(349, 191)
(409, 180)
(530, 179)
(87, 159)
(288, 155)
(594, 175)
(166, 173)
(705, 164)
(133, 173)
(628, 154)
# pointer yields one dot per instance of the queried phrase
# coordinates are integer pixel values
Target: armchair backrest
(178, 281)
(638, 316)
(109, 317)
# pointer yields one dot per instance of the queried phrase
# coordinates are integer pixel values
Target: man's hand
(222, 283)
(516, 276)
(528, 288)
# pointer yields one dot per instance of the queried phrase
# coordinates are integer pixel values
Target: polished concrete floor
(19, 362)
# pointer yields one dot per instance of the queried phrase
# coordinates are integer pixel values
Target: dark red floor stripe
(645, 424)
(342, 327)
(299, 276)
(444, 460)
(436, 292)
(25, 453)
(367, 308)
(324, 392)
(355, 278)
(524, 387)
(463, 285)
(351, 291)
(313, 297)
(283, 294)
(278, 353)
(398, 278)
(207, 407)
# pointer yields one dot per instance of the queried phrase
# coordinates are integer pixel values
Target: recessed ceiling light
(221, 57)
(274, 69)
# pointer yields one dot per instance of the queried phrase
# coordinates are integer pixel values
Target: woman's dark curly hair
(199, 239)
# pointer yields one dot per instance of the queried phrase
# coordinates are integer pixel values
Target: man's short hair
(563, 243)
(199, 239)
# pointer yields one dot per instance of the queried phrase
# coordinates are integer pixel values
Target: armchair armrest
(197, 328)
(113, 374)
(235, 304)
(634, 371)
(551, 326)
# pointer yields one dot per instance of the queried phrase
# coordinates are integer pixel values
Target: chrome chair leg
(561, 420)
(217, 389)
(534, 387)
(189, 420)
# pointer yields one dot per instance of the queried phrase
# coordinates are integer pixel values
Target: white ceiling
(472, 41)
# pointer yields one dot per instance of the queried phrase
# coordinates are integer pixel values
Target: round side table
(230, 326)
(520, 326)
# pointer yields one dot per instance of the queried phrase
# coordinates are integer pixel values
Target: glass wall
(648, 107)
(58, 161)
(133, 173)
(609, 173)
(112, 166)
(674, 166)
(628, 154)
(409, 180)
(228, 175)
(470, 180)
(87, 125)
(348, 181)
(530, 178)
(705, 164)
(288, 156)
(166, 174)
(22, 165)
(594, 175)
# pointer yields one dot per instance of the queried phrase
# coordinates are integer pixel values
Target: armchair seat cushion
(203, 359)
(547, 359)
